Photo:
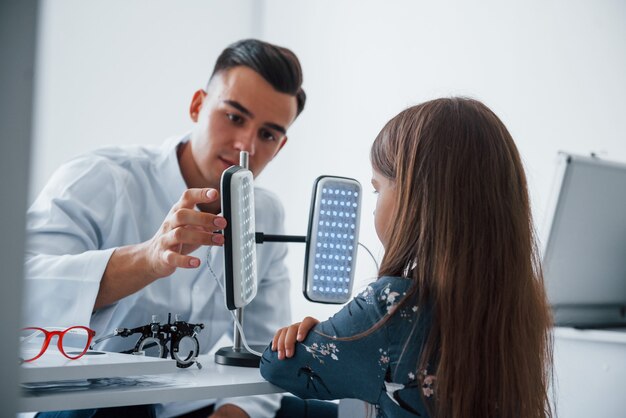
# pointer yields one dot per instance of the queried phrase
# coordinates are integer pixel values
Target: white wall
(119, 72)
(115, 72)
(554, 71)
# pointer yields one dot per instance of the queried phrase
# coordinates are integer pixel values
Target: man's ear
(282, 144)
(196, 104)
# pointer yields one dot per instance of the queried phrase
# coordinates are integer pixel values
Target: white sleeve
(64, 260)
(260, 406)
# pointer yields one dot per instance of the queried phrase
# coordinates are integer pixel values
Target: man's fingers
(192, 217)
(190, 236)
(175, 259)
(184, 230)
(192, 197)
(186, 240)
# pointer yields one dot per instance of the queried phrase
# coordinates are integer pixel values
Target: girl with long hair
(458, 323)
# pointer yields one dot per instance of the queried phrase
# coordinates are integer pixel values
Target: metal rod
(237, 336)
(243, 159)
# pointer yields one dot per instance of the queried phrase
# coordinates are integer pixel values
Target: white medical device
(330, 256)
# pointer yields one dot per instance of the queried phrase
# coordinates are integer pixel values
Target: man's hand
(183, 231)
(229, 411)
(285, 338)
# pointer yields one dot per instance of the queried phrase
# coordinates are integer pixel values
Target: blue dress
(380, 368)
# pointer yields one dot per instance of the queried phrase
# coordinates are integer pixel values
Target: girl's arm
(329, 364)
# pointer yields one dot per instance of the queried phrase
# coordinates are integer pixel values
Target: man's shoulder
(107, 165)
(120, 159)
(123, 155)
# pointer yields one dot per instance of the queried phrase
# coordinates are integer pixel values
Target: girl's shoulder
(386, 292)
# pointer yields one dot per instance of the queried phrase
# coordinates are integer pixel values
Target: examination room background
(119, 72)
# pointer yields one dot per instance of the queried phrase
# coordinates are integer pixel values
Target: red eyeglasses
(72, 342)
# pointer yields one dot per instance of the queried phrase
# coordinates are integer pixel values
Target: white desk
(212, 381)
(590, 372)
(54, 366)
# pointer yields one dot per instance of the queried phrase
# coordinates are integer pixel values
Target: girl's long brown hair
(462, 230)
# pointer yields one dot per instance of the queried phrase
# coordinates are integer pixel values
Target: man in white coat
(121, 234)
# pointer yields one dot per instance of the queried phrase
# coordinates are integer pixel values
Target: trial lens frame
(155, 335)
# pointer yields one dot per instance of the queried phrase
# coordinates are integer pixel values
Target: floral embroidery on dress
(368, 295)
(319, 351)
(384, 359)
(428, 383)
(391, 298)
(408, 313)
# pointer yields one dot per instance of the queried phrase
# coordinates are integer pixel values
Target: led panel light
(240, 271)
(332, 239)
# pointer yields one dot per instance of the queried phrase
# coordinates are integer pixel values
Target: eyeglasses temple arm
(124, 332)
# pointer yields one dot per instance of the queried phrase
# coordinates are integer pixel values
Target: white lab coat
(120, 196)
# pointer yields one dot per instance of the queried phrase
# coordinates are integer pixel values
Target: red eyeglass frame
(60, 334)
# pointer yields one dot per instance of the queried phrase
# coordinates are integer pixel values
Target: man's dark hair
(277, 65)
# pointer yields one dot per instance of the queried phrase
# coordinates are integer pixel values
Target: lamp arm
(261, 238)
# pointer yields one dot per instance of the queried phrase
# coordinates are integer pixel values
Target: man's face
(240, 111)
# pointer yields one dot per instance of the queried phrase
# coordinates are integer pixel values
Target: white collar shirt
(120, 196)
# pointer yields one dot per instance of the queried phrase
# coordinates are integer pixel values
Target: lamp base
(228, 356)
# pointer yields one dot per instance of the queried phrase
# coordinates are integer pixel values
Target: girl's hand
(285, 339)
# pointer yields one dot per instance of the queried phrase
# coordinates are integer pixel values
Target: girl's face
(385, 190)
